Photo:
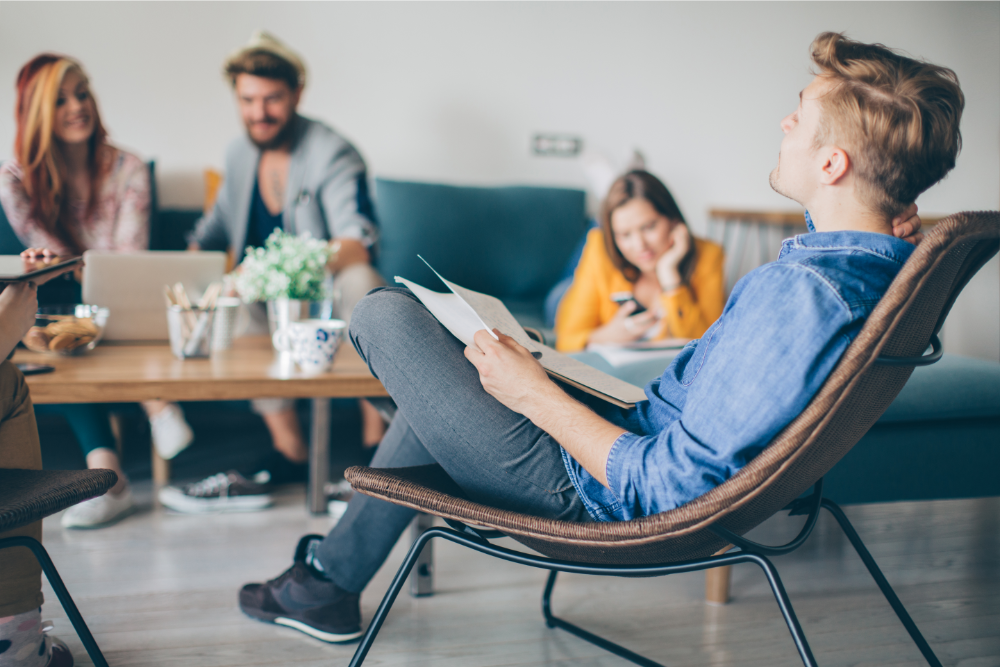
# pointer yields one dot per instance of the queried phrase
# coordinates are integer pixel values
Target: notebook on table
(131, 285)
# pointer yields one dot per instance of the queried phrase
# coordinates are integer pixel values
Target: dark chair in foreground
(695, 536)
(27, 496)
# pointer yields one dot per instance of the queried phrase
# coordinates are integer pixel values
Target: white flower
(288, 266)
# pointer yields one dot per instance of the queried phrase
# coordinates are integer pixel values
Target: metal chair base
(476, 541)
(64, 597)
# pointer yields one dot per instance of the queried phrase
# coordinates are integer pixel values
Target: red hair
(42, 164)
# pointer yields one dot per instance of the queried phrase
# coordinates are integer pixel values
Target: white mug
(313, 343)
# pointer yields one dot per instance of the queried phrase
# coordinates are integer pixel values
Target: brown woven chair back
(29, 495)
(848, 404)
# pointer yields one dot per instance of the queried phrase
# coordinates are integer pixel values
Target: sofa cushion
(954, 388)
(510, 242)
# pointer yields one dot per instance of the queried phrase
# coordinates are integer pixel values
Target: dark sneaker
(305, 600)
(224, 492)
(60, 656)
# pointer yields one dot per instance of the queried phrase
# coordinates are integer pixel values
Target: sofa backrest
(510, 242)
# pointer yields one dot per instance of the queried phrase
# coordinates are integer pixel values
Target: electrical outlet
(556, 145)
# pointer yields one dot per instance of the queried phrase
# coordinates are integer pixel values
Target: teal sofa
(939, 439)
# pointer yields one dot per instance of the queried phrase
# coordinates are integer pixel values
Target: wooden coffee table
(120, 373)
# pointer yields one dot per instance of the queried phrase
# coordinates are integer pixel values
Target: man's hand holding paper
(508, 371)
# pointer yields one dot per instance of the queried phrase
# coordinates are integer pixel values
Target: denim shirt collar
(880, 244)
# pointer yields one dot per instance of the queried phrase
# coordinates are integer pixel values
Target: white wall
(453, 91)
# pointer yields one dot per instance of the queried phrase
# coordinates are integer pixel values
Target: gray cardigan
(326, 194)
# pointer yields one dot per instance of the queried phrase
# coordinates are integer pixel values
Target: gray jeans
(496, 456)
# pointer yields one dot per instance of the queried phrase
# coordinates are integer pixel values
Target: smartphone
(621, 298)
(34, 369)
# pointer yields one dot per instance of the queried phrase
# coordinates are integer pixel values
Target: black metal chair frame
(746, 552)
(64, 597)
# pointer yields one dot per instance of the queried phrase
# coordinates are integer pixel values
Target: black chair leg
(785, 605)
(556, 622)
(482, 545)
(883, 584)
(64, 597)
(390, 596)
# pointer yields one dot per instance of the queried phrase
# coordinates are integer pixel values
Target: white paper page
(464, 312)
(456, 315)
(491, 311)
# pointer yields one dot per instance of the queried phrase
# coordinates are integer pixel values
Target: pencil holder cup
(190, 331)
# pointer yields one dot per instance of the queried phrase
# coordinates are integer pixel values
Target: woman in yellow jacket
(643, 247)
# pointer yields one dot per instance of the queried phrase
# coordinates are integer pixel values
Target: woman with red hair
(68, 190)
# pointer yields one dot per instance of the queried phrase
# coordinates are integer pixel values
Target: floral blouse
(120, 221)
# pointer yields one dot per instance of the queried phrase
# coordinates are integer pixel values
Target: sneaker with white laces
(100, 511)
(170, 431)
(222, 492)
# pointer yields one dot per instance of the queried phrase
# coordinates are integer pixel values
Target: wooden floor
(160, 589)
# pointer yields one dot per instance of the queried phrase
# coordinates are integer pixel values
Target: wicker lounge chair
(27, 496)
(693, 537)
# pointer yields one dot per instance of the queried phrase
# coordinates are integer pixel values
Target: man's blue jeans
(496, 456)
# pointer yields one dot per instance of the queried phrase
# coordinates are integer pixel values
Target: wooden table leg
(161, 469)
(319, 456)
(717, 584)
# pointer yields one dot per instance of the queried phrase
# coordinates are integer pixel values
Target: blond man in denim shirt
(870, 133)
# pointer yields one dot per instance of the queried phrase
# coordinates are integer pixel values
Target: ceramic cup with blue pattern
(313, 343)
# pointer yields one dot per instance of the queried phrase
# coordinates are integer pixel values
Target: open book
(463, 312)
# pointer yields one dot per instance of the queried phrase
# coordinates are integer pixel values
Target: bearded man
(298, 175)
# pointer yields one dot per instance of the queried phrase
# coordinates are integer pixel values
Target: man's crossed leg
(495, 455)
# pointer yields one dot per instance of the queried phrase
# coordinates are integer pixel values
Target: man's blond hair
(897, 118)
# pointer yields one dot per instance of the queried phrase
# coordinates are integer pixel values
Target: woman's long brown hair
(640, 184)
(42, 164)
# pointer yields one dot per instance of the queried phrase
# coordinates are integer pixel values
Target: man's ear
(835, 164)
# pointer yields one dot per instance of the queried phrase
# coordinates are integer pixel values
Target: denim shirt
(726, 395)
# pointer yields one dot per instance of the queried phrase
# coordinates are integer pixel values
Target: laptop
(131, 285)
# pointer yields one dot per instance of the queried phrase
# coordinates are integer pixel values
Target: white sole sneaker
(100, 511)
(177, 500)
(318, 634)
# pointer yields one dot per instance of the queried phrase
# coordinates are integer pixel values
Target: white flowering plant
(287, 267)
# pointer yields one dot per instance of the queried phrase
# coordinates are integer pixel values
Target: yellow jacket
(689, 309)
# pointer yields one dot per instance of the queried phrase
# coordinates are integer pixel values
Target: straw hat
(265, 41)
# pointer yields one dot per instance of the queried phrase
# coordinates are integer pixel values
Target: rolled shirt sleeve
(345, 200)
(131, 230)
